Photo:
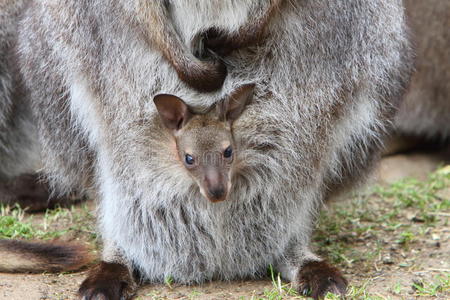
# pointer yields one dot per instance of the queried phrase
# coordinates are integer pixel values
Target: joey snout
(215, 185)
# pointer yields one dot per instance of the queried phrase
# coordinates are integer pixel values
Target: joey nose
(217, 194)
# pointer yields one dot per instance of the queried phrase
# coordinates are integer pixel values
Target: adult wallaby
(328, 77)
(426, 109)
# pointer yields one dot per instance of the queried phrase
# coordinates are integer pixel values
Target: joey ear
(173, 111)
(231, 108)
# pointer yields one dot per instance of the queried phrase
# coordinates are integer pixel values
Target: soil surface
(375, 262)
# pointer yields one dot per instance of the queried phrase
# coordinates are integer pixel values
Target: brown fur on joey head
(204, 142)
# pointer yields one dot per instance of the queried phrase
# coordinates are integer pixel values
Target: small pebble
(387, 260)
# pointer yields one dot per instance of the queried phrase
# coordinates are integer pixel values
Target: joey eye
(189, 159)
(228, 152)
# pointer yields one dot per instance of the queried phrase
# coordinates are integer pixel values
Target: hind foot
(316, 278)
(107, 281)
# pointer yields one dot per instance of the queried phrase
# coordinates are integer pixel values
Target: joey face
(205, 143)
(206, 149)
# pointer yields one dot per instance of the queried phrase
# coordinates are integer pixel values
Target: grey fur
(19, 148)
(426, 109)
(328, 76)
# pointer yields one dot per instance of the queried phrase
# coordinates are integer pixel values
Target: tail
(33, 257)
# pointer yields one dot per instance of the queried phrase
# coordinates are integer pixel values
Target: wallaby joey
(204, 142)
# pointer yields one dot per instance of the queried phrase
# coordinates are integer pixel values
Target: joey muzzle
(215, 185)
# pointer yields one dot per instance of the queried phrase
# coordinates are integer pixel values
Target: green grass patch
(441, 284)
(393, 208)
(13, 226)
(55, 223)
(360, 235)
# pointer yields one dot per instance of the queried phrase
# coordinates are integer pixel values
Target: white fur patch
(83, 109)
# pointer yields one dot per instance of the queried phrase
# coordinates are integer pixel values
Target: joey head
(205, 144)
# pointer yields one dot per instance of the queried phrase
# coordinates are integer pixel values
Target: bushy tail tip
(17, 256)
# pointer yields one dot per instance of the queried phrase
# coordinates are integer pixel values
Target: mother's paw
(316, 278)
(107, 281)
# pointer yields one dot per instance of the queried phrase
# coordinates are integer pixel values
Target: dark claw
(317, 278)
(107, 281)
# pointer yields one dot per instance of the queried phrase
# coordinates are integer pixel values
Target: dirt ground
(407, 257)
